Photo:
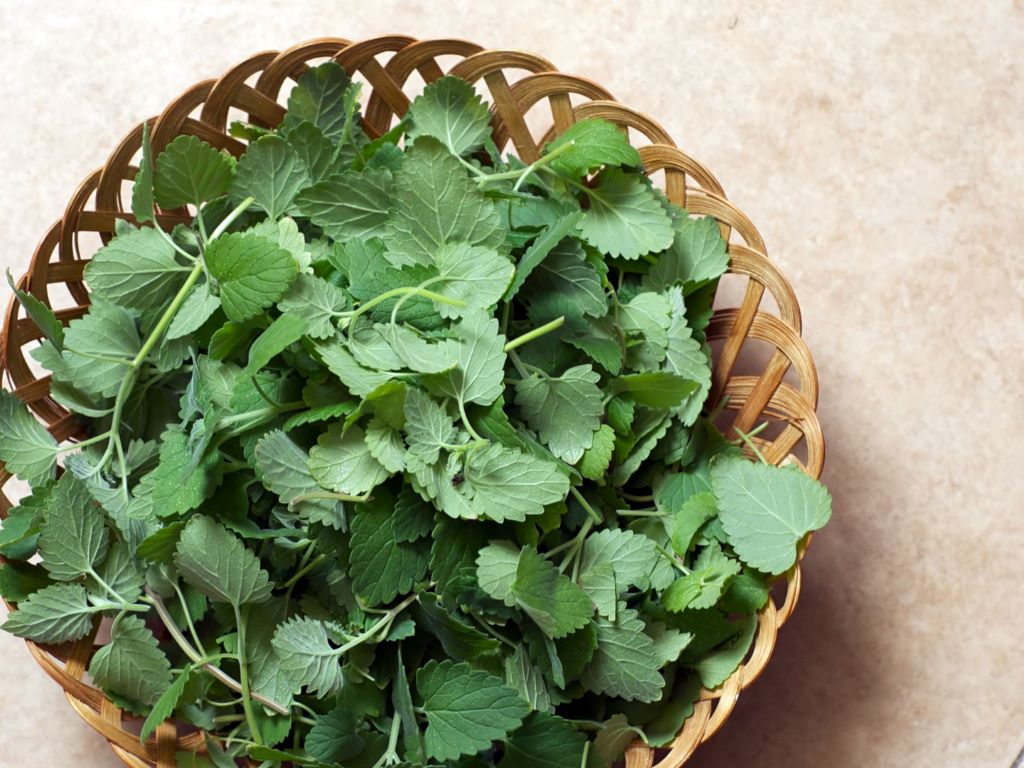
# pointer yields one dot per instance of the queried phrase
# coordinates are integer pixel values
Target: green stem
(586, 505)
(638, 512)
(312, 495)
(383, 623)
(230, 218)
(750, 444)
(188, 620)
(243, 673)
(517, 342)
(466, 423)
(85, 443)
(303, 571)
(403, 299)
(520, 174)
(576, 545)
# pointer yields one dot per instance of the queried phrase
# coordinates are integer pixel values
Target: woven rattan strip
(517, 84)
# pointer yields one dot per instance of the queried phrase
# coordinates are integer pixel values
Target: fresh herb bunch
(397, 452)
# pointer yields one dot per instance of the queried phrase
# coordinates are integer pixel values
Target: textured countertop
(878, 147)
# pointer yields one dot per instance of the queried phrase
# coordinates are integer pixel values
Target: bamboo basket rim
(387, 66)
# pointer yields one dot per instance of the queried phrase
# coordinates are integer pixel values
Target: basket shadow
(810, 706)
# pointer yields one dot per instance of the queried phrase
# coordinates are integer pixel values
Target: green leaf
(252, 272)
(26, 448)
(181, 484)
(474, 275)
(766, 511)
(318, 98)
(544, 741)
(316, 301)
(629, 554)
(565, 283)
(271, 173)
(704, 585)
(524, 677)
(342, 462)
(350, 205)
(314, 150)
(142, 188)
(466, 709)
(120, 574)
(481, 362)
(565, 412)
(95, 346)
(613, 739)
(597, 458)
(219, 565)
(414, 518)
(685, 357)
(625, 663)
(698, 253)
(647, 317)
(625, 218)
(198, 307)
(165, 705)
(303, 649)
(649, 433)
(595, 143)
(539, 249)
(18, 580)
(458, 639)
(360, 380)
(507, 484)
(131, 664)
(281, 334)
(333, 737)
(380, 566)
(56, 614)
(385, 444)
(73, 537)
(136, 269)
(435, 202)
(40, 314)
(428, 427)
(716, 668)
(450, 110)
(159, 546)
(657, 389)
(190, 172)
(693, 513)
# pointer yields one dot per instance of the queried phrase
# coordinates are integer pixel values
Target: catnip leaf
(40, 314)
(748, 592)
(219, 565)
(56, 614)
(281, 334)
(625, 663)
(318, 99)
(766, 511)
(704, 585)
(507, 484)
(685, 357)
(474, 275)
(496, 566)
(565, 283)
(333, 737)
(539, 249)
(597, 458)
(544, 741)
(359, 379)
(613, 739)
(629, 554)
(190, 172)
(697, 253)
(694, 512)
(131, 664)
(350, 205)
(524, 677)
(450, 110)
(625, 218)
(26, 448)
(98, 348)
(385, 444)
(657, 389)
(120, 574)
(179, 483)
(252, 272)
(601, 343)
(304, 652)
(413, 517)
(198, 307)
(481, 362)
(417, 353)
(458, 639)
(271, 173)
(716, 668)
(564, 411)
(435, 202)
(556, 604)
(165, 705)
(595, 143)
(142, 188)
(380, 566)
(283, 467)
(314, 150)
(647, 316)
(136, 269)
(73, 536)
(316, 301)
(466, 708)
(342, 462)
(649, 433)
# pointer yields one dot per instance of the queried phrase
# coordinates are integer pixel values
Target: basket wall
(525, 91)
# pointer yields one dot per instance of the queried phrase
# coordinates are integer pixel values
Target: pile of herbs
(397, 453)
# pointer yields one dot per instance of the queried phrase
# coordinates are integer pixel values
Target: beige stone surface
(878, 146)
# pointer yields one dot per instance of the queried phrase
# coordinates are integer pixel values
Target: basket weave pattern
(520, 86)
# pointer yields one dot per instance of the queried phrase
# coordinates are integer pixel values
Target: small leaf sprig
(399, 451)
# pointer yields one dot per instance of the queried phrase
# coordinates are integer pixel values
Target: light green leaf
(40, 314)
(597, 458)
(716, 668)
(281, 334)
(283, 467)
(136, 269)
(270, 172)
(481, 362)
(73, 536)
(698, 253)
(180, 483)
(418, 354)
(565, 283)
(649, 431)
(686, 358)
(507, 484)
(360, 380)
(318, 98)
(252, 272)
(198, 307)
(343, 462)
(385, 444)
(544, 741)
(93, 346)
(555, 603)
(435, 202)
(625, 663)
(647, 317)
(466, 708)
(629, 554)
(527, 679)
(142, 188)
(190, 172)
(120, 574)
(694, 512)
(350, 205)
(615, 737)
(496, 566)
(305, 654)
(564, 411)
(316, 301)
(595, 143)
(474, 275)
(380, 566)
(26, 448)
(56, 614)
(165, 705)
(314, 150)
(657, 389)
(704, 585)
(219, 565)
(333, 737)
(625, 218)
(450, 110)
(131, 664)
(539, 249)
(766, 511)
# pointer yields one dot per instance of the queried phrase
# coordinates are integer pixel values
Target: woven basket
(525, 91)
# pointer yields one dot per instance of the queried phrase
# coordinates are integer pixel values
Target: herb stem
(230, 218)
(517, 342)
(468, 425)
(750, 444)
(188, 620)
(303, 571)
(585, 504)
(243, 672)
(384, 622)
